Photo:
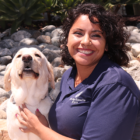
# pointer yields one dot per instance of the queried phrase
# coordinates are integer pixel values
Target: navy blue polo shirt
(105, 106)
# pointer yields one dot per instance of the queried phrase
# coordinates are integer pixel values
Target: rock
(9, 43)
(130, 55)
(28, 41)
(50, 55)
(67, 67)
(129, 29)
(3, 114)
(35, 34)
(5, 52)
(57, 61)
(1, 80)
(48, 46)
(134, 70)
(54, 92)
(56, 33)
(137, 83)
(48, 28)
(56, 41)
(18, 36)
(5, 33)
(138, 25)
(3, 105)
(136, 49)
(5, 60)
(44, 39)
(48, 34)
(3, 93)
(132, 63)
(2, 67)
(135, 36)
(58, 72)
(128, 45)
(58, 52)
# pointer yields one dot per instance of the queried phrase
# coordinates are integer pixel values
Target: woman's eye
(37, 55)
(19, 56)
(96, 36)
(78, 33)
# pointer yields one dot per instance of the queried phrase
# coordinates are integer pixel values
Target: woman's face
(86, 42)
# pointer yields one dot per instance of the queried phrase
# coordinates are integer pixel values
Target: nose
(27, 58)
(86, 40)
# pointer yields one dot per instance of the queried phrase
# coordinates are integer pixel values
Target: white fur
(29, 90)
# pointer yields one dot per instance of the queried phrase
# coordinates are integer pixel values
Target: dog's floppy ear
(51, 75)
(7, 79)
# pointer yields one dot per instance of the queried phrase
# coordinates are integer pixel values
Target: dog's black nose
(27, 58)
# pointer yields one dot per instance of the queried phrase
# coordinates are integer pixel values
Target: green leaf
(16, 3)
(16, 24)
(48, 3)
(9, 4)
(3, 8)
(30, 3)
(6, 18)
(21, 2)
(22, 10)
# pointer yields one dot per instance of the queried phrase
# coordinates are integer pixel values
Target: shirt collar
(102, 66)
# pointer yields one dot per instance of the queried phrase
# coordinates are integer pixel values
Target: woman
(98, 100)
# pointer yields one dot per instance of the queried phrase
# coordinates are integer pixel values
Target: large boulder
(43, 46)
(28, 41)
(58, 72)
(2, 79)
(129, 29)
(56, 33)
(54, 92)
(57, 62)
(44, 39)
(2, 67)
(8, 43)
(134, 36)
(5, 60)
(5, 52)
(48, 28)
(135, 49)
(51, 55)
(18, 36)
(134, 69)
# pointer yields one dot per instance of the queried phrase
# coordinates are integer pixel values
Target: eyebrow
(91, 31)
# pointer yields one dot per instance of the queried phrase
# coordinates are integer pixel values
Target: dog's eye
(19, 56)
(37, 55)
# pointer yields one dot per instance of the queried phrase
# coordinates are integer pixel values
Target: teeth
(27, 69)
(85, 51)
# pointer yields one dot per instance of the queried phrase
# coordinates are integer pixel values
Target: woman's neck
(83, 72)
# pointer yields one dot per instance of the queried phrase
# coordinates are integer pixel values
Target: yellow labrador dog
(27, 77)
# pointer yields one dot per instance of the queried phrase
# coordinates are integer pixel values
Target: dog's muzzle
(27, 59)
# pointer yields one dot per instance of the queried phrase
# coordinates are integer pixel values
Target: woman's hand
(31, 121)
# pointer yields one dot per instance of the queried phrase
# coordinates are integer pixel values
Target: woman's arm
(38, 125)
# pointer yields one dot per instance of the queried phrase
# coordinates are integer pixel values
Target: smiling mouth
(83, 51)
(27, 71)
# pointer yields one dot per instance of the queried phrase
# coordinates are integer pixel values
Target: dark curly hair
(110, 24)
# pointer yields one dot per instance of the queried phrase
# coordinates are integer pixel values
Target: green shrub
(21, 11)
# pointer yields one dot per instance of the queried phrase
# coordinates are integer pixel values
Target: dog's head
(28, 64)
